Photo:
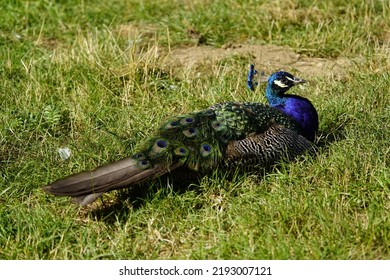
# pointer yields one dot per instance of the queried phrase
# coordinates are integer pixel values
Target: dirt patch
(136, 31)
(266, 57)
(48, 43)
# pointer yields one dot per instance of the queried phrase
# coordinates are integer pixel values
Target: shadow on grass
(131, 199)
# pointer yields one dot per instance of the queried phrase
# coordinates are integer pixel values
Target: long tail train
(87, 186)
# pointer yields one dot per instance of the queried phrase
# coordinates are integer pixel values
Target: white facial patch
(288, 78)
(280, 84)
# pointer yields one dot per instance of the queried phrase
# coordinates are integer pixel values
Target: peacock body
(224, 135)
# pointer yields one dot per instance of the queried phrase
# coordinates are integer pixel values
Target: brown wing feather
(273, 145)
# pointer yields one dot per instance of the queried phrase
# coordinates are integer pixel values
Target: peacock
(225, 135)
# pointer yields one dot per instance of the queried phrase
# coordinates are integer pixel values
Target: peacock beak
(297, 81)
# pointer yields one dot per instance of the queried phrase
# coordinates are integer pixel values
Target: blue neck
(299, 108)
(274, 98)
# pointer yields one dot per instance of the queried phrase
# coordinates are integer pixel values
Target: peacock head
(280, 82)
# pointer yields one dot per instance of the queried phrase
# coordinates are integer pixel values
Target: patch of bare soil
(48, 43)
(136, 31)
(266, 57)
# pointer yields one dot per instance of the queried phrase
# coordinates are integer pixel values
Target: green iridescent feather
(212, 129)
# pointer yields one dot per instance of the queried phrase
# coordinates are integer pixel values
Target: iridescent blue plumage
(224, 135)
(297, 107)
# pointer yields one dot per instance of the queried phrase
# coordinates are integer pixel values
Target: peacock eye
(283, 83)
(174, 123)
(206, 148)
(161, 144)
(190, 132)
(181, 151)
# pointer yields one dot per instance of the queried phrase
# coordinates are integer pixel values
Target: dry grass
(74, 75)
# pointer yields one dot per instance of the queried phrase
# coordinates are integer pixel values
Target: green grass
(93, 77)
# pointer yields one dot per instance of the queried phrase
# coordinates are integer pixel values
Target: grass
(93, 77)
